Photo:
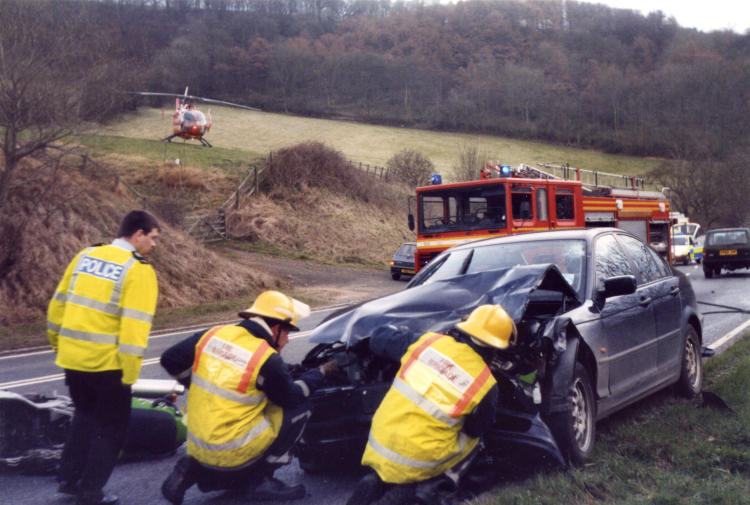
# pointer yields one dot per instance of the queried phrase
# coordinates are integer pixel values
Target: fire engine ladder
(590, 178)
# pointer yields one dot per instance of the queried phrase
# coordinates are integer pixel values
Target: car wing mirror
(619, 285)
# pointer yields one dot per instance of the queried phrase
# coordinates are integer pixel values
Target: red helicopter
(187, 121)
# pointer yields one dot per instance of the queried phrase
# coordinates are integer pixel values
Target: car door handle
(674, 291)
(645, 301)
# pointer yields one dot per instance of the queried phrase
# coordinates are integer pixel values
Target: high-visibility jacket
(100, 315)
(230, 421)
(416, 431)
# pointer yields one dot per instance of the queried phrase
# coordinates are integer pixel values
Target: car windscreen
(728, 237)
(406, 251)
(568, 255)
(682, 240)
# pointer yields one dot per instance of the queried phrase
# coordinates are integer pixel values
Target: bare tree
(469, 162)
(46, 71)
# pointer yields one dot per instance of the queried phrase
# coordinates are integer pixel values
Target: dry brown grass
(82, 211)
(319, 205)
(357, 220)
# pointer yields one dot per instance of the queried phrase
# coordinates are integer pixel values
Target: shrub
(411, 166)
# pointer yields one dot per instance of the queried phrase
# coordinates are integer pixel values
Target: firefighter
(245, 411)
(427, 430)
(98, 323)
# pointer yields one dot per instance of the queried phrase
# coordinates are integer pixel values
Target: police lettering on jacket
(101, 269)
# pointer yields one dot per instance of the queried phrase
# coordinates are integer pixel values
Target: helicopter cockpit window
(188, 116)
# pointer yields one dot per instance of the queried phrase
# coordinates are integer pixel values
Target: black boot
(367, 490)
(182, 477)
(272, 489)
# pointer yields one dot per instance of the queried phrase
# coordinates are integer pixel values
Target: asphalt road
(138, 483)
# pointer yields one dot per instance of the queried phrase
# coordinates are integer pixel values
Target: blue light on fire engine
(437, 179)
(505, 170)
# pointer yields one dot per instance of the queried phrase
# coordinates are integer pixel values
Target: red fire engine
(507, 200)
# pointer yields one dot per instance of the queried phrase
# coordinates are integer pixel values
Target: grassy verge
(156, 151)
(664, 451)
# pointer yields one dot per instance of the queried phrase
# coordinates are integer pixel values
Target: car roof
(586, 234)
(738, 228)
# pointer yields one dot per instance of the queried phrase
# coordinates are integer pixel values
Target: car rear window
(728, 237)
(406, 250)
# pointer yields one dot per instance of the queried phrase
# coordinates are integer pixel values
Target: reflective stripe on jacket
(416, 431)
(230, 421)
(100, 315)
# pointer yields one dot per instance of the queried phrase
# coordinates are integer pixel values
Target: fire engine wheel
(691, 374)
(575, 429)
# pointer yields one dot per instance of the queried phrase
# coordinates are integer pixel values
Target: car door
(627, 323)
(662, 287)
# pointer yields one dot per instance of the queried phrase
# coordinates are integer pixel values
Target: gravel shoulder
(323, 285)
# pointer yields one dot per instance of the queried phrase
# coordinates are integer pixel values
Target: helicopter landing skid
(202, 140)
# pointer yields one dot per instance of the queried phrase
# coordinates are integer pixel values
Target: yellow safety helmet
(490, 325)
(277, 305)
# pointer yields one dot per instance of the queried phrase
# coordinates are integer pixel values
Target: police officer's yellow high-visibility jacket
(230, 421)
(416, 431)
(100, 315)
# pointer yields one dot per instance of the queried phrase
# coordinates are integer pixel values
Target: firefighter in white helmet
(245, 411)
(428, 428)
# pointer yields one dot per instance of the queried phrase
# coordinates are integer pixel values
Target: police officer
(427, 430)
(98, 321)
(245, 411)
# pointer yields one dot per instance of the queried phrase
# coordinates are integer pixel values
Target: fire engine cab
(507, 200)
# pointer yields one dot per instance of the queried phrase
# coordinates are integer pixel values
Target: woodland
(559, 71)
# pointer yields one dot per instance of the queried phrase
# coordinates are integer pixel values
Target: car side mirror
(411, 222)
(620, 285)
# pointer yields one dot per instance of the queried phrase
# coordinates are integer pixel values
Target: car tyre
(708, 272)
(691, 368)
(395, 276)
(575, 429)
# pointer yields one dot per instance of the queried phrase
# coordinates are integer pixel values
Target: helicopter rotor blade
(192, 97)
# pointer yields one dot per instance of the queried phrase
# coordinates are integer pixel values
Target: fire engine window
(521, 203)
(432, 212)
(541, 204)
(564, 207)
(459, 209)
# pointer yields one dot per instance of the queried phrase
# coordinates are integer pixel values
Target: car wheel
(575, 429)
(395, 276)
(691, 369)
(708, 272)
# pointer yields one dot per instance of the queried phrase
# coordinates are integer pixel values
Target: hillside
(260, 132)
(84, 208)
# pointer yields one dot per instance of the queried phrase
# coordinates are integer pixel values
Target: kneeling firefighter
(428, 429)
(245, 412)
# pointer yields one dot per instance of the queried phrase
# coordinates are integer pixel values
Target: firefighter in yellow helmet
(245, 411)
(98, 322)
(428, 428)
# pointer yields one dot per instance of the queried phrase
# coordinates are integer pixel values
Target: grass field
(663, 450)
(261, 132)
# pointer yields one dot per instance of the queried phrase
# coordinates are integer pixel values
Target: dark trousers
(97, 433)
(278, 454)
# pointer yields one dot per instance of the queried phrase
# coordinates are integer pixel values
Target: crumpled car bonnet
(439, 305)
